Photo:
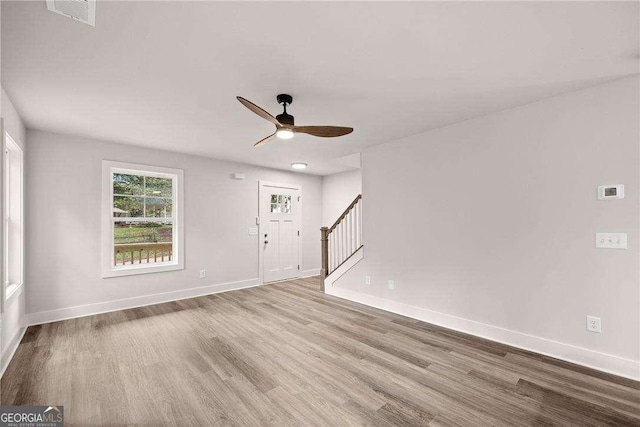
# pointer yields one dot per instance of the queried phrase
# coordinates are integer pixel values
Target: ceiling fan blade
(259, 111)
(323, 131)
(265, 140)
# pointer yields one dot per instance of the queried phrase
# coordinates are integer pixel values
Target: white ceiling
(165, 74)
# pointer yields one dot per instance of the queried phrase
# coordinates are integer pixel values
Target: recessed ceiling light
(284, 133)
(299, 165)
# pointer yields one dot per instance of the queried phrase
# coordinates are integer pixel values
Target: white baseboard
(310, 273)
(11, 350)
(123, 304)
(601, 361)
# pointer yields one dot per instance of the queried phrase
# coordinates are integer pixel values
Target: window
(13, 218)
(142, 226)
(280, 203)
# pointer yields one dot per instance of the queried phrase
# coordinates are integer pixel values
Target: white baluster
(337, 230)
(335, 248)
(346, 241)
(353, 229)
(360, 213)
(334, 255)
(342, 236)
(349, 236)
(329, 253)
(332, 250)
(341, 243)
(358, 225)
(359, 222)
(350, 224)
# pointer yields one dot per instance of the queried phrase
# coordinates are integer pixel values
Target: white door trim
(261, 185)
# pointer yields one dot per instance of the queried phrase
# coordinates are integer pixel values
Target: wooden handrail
(345, 213)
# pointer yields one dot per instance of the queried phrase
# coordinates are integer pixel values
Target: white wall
(488, 226)
(13, 318)
(338, 191)
(63, 223)
(12, 121)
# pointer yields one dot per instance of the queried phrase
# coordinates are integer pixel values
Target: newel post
(324, 241)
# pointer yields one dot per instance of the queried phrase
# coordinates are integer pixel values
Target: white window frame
(10, 290)
(177, 175)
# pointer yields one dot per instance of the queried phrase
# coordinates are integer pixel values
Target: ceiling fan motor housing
(284, 118)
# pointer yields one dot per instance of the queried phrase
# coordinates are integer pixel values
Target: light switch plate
(392, 284)
(611, 240)
(253, 231)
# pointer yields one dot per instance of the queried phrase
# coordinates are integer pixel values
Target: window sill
(141, 269)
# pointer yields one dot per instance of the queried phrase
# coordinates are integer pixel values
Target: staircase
(342, 243)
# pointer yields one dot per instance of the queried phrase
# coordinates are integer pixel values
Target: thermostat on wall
(606, 192)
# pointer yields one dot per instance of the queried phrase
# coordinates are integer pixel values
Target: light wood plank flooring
(286, 354)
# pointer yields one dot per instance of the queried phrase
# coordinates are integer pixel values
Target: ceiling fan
(285, 127)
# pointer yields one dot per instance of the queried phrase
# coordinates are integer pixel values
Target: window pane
(142, 232)
(280, 203)
(142, 243)
(127, 184)
(128, 206)
(159, 187)
(287, 204)
(158, 207)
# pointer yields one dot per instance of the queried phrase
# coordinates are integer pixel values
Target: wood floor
(285, 354)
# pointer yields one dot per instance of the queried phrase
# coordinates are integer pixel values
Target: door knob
(266, 241)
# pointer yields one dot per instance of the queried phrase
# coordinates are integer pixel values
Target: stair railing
(340, 241)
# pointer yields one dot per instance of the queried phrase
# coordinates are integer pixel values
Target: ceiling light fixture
(284, 133)
(299, 165)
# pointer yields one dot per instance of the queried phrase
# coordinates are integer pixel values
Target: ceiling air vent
(79, 10)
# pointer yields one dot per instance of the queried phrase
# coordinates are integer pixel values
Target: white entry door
(280, 213)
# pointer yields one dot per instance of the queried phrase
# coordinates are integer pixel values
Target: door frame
(261, 186)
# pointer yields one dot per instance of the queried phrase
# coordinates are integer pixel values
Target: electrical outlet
(203, 274)
(367, 280)
(392, 284)
(594, 324)
(611, 240)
